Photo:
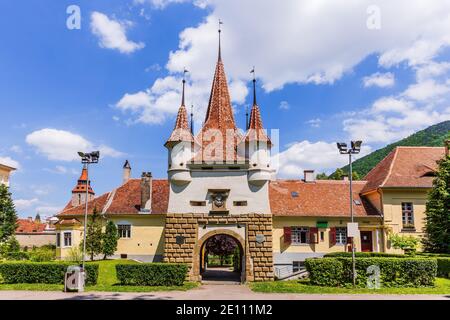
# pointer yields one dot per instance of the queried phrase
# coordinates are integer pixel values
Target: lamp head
(356, 146)
(342, 146)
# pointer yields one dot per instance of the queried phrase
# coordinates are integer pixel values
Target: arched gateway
(219, 184)
(235, 272)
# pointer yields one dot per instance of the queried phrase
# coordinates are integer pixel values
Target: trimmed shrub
(394, 272)
(152, 274)
(42, 254)
(366, 255)
(36, 272)
(325, 271)
(443, 267)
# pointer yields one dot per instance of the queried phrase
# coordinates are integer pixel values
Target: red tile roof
(322, 198)
(219, 119)
(181, 130)
(256, 130)
(81, 184)
(405, 167)
(29, 226)
(125, 200)
(67, 222)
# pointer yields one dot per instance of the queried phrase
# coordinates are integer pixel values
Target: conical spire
(255, 129)
(83, 182)
(181, 130)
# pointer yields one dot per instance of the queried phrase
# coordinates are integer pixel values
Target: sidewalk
(205, 292)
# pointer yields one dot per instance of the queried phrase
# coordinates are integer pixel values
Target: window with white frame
(341, 236)
(58, 239)
(67, 239)
(300, 235)
(297, 265)
(407, 215)
(124, 230)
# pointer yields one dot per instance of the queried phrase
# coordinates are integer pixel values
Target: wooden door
(366, 241)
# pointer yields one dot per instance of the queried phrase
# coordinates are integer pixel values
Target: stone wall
(258, 255)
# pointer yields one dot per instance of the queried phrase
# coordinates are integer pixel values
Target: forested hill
(432, 136)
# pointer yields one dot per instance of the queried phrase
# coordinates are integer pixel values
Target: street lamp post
(86, 159)
(354, 149)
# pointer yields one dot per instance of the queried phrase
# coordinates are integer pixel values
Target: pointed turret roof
(256, 130)
(181, 131)
(82, 182)
(219, 115)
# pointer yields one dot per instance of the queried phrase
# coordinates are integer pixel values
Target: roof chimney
(345, 177)
(30, 219)
(146, 192)
(126, 172)
(309, 176)
(447, 147)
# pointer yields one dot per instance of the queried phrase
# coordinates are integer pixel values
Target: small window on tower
(240, 203)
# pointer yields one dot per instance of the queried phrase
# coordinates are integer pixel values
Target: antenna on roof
(254, 85)
(220, 31)
(246, 117)
(184, 82)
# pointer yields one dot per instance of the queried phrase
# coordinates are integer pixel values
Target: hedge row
(394, 272)
(443, 267)
(152, 274)
(365, 255)
(49, 273)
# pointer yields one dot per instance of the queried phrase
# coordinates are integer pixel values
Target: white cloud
(319, 156)
(16, 149)
(379, 80)
(315, 123)
(23, 204)
(284, 105)
(159, 4)
(426, 90)
(112, 33)
(286, 49)
(49, 210)
(9, 162)
(63, 145)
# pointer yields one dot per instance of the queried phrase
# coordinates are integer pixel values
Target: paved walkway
(205, 292)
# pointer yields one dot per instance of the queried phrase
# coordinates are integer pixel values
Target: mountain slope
(432, 136)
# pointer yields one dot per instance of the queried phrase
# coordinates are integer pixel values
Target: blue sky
(326, 72)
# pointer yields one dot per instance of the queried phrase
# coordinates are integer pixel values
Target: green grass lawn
(442, 286)
(106, 282)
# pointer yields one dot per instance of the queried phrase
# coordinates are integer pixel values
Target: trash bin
(74, 279)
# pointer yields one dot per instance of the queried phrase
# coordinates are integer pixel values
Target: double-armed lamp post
(87, 159)
(355, 148)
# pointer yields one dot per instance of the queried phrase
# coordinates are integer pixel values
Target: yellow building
(227, 186)
(5, 172)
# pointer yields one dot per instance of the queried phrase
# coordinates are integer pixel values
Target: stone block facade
(256, 245)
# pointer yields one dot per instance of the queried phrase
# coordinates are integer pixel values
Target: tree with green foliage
(110, 238)
(322, 176)
(8, 215)
(94, 235)
(407, 243)
(337, 175)
(437, 212)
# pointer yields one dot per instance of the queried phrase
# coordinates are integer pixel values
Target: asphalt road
(205, 292)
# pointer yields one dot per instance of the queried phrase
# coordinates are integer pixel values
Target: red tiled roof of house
(322, 198)
(29, 226)
(125, 200)
(67, 222)
(405, 167)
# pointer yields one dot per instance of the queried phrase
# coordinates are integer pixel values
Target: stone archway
(244, 254)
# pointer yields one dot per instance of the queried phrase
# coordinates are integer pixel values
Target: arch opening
(222, 259)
